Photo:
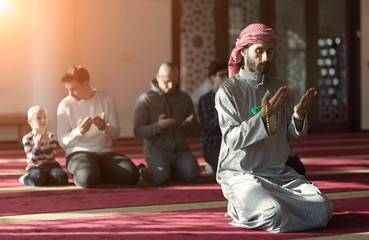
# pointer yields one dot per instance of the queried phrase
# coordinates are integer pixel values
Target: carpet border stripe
(143, 209)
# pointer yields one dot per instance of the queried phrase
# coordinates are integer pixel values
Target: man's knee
(85, 170)
(187, 168)
(267, 218)
(86, 178)
(325, 213)
(189, 176)
(158, 175)
(119, 169)
(130, 174)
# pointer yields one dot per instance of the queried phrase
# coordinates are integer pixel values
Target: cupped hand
(305, 102)
(100, 122)
(188, 121)
(84, 125)
(276, 103)
(165, 122)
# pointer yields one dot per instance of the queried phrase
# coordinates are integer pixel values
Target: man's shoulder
(181, 93)
(181, 96)
(208, 94)
(67, 101)
(103, 94)
(230, 83)
(147, 95)
(274, 80)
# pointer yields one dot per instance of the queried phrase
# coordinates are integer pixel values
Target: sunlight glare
(4, 5)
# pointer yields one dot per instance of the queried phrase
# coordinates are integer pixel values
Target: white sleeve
(66, 135)
(112, 121)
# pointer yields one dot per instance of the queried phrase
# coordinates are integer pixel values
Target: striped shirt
(36, 157)
(211, 135)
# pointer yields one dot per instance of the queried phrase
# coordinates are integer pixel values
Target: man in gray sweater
(164, 116)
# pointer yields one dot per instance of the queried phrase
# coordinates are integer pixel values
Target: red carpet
(337, 163)
(345, 183)
(351, 216)
(76, 199)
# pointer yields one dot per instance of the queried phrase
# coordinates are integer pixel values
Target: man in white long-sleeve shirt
(87, 125)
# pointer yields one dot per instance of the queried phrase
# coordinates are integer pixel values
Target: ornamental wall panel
(332, 63)
(289, 64)
(197, 38)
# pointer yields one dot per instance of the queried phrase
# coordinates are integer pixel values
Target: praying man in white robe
(258, 121)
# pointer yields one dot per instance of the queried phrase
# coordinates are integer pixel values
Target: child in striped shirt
(40, 148)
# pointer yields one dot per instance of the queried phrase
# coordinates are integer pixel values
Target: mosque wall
(364, 65)
(121, 43)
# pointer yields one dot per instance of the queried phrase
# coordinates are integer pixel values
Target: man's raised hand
(305, 102)
(84, 125)
(165, 122)
(277, 102)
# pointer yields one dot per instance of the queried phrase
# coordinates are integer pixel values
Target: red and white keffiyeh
(253, 33)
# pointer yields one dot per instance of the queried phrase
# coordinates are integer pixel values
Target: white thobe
(262, 192)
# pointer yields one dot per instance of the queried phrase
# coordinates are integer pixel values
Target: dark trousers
(164, 166)
(89, 169)
(295, 162)
(211, 155)
(46, 174)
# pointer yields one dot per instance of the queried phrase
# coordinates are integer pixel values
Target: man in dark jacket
(164, 116)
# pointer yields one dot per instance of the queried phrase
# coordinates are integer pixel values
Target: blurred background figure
(211, 136)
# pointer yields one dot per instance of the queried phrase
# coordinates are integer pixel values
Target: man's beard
(257, 67)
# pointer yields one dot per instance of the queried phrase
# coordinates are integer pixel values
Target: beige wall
(121, 42)
(15, 59)
(364, 65)
(52, 47)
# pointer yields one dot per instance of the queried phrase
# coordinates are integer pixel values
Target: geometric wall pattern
(197, 42)
(241, 13)
(332, 62)
(289, 64)
(197, 47)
